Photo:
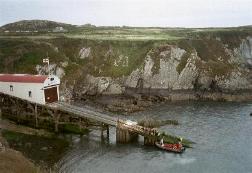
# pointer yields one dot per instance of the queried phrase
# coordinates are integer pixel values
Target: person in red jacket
(180, 143)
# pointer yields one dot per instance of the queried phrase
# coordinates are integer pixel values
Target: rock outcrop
(84, 52)
(196, 73)
(214, 62)
(246, 50)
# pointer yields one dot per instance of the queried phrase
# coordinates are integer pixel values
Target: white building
(39, 89)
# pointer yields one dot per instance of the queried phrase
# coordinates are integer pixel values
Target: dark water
(223, 132)
(43, 151)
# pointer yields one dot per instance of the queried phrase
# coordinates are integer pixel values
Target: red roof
(23, 78)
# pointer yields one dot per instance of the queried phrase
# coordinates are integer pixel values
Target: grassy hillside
(21, 55)
(45, 29)
(30, 49)
(40, 26)
(116, 51)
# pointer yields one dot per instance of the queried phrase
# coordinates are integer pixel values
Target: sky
(163, 13)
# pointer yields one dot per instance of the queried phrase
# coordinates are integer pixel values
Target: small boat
(170, 147)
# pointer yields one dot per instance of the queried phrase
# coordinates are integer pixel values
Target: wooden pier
(62, 112)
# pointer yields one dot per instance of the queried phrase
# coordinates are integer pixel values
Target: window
(30, 94)
(52, 79)
(11, 88)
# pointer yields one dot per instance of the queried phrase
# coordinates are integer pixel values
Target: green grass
(152, 123)
(20, 53)
(124, 33)
(70, 128)
(220, 68)
(31, 58)
(175, 139)
(129, 37)
(183, 62)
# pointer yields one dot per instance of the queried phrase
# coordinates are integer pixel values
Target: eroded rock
(84, 52)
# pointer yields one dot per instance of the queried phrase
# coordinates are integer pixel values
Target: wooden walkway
(103, 118)
(123, 126)
(84, 112)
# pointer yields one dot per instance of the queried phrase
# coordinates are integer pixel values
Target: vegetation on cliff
(97, 60)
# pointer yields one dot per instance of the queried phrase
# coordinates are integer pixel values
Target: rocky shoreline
(135, 100)
(179, 95)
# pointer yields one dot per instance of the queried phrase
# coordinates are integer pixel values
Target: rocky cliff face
(170, 67)
(246, 50)
(110, 67)
(167, 75)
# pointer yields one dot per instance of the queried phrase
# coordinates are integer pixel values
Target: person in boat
(179, 146)
(162, 142)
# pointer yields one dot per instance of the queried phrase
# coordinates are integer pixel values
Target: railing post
(102, 130)
(56, 120)
(107, 131)
(36, 115)
(1, 103)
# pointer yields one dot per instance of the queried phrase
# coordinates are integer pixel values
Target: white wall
(52, 83)
(48, 82)
(21, 90)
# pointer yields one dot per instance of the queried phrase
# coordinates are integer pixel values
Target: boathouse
(39, 89)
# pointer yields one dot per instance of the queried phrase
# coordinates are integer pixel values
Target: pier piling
(61, 115)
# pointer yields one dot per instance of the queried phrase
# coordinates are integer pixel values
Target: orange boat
(176, 148)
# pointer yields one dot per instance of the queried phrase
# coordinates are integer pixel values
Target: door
(51, 95)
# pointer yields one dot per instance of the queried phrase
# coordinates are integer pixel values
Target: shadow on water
(44, 151)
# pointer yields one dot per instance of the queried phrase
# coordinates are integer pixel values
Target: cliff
(115, 62)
